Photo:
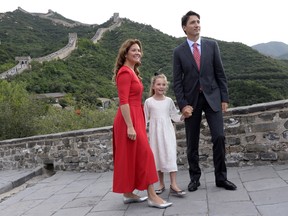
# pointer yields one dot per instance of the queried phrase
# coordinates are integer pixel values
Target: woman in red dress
(134, 165)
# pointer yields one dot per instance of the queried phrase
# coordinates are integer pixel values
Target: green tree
(18, 111)
(248, 92)
(60, 120)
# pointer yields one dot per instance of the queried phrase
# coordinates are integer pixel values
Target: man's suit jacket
(187, 79)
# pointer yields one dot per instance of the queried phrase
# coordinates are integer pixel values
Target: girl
(159, 111)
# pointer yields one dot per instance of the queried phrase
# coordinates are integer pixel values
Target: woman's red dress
(134, 166)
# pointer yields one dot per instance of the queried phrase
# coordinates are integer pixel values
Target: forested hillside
(86, 74)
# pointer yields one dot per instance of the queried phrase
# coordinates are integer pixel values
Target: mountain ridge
(56, 18)
(275, 49)
(87, 73)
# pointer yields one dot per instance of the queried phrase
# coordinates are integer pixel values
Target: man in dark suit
(201, 88)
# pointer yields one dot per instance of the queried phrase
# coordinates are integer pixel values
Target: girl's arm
(174, 113)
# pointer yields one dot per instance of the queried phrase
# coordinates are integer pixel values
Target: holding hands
(187, 111)
(224, 106)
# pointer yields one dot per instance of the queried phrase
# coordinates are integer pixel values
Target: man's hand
(224, 107)
(187, 111)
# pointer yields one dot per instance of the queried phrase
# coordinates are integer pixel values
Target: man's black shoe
(226, 184)
(193, 185)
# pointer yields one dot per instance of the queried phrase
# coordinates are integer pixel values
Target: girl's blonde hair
(153, 80)
(121, 57)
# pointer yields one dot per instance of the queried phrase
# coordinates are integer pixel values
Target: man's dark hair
(185, 18)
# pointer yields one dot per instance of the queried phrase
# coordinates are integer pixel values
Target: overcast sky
(247, 21)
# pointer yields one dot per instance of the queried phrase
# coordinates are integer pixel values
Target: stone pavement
(262, 191)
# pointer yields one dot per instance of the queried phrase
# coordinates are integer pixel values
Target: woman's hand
(131, 133)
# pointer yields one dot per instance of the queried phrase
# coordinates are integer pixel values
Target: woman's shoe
(179, 193)
(128, 200)
(160, 191)
(156, 205)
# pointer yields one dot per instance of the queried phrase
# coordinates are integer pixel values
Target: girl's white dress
(162, 138)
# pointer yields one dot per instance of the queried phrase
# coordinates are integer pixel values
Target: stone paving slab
(262, 191)
(10, 179)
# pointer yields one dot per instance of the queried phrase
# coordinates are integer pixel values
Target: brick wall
(256, 135)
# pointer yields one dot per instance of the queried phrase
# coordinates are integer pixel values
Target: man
(203, 87)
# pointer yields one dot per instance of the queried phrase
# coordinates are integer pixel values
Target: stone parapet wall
(256, 135)
(74, 150)
(62, 53)
(51, 16)
(99, 33)
(23, 64)
(18, 69)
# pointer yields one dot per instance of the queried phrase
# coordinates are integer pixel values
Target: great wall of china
(24, 61)
(255, 135)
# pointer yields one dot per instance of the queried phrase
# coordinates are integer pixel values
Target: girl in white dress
(159, 111)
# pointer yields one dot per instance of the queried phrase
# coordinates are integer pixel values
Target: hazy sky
(247, 21)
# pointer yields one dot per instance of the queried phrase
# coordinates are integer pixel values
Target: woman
(134, 166)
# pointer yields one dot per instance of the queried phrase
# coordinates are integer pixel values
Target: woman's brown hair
(121, 57)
